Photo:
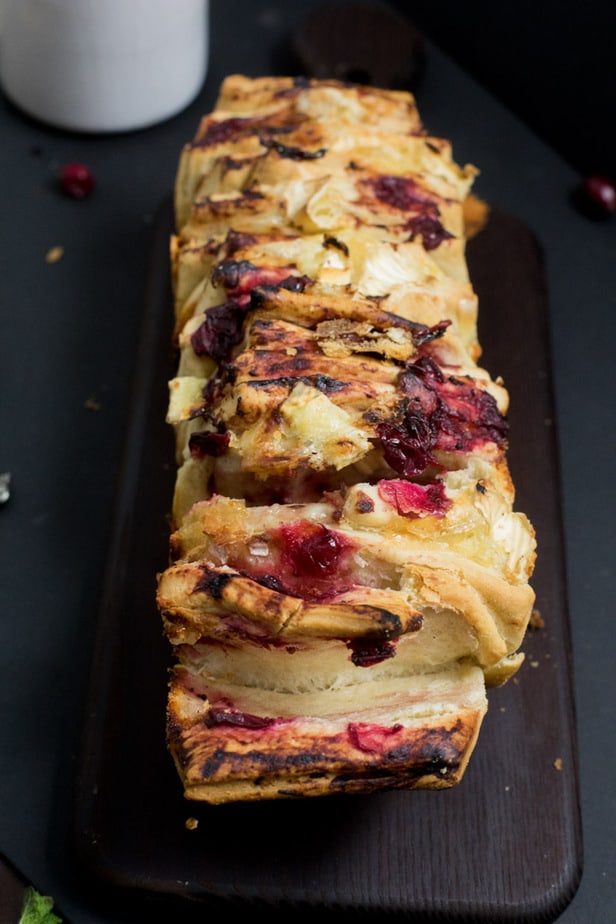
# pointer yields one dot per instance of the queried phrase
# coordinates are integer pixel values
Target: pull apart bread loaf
(347, 575)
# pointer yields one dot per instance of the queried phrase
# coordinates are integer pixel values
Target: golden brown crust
(351, 745)
(347, 572)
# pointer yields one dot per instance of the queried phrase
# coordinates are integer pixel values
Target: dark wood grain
(505, 845)
(12, 893)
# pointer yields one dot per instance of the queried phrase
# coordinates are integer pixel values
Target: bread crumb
(5, 487)
(534, 663)
(54, 254)
(558, 763)
(191, 824)
(536, 620)
(91, 404)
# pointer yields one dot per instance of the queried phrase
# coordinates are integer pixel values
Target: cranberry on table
(597, 196)
(76, 180)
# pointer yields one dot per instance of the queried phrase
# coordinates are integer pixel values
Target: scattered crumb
(507, 788)
(558, 763)
(548, 421)
(191, 824)
(92, 404)
(503, 709)
(536, 620)
(534, 663)
(5, 487)
(54, 254)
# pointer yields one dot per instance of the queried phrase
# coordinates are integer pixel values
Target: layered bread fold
(347, 572)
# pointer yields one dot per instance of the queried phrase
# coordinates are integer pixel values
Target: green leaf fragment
(38, 909)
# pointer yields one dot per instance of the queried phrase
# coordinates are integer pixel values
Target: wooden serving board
(505, 845)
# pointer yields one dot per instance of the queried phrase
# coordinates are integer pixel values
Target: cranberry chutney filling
(368, 737)
(347, 574)
(363, 736)
(436, 410)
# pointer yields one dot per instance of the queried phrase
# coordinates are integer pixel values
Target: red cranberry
(602, 191)
(205, 443)
(76, 180)
(316, 553)
(221, 329)
(596, 197)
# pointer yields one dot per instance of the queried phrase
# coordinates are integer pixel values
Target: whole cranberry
(76, 180)
(596, 196)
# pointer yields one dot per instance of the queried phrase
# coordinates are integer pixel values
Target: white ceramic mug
(103, 65)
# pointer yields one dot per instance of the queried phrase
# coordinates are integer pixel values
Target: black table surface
(68, 340)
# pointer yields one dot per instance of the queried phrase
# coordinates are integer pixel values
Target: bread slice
(386, 733)
(347, 573)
